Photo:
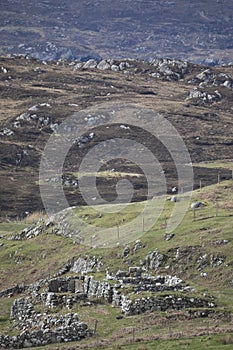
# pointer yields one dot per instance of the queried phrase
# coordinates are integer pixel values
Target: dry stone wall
(38, 329)
(134, 291)
(163, 303)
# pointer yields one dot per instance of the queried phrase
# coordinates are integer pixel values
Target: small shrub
(35, 217)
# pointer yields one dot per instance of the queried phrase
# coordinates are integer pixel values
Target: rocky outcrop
(207, 80)
(28, 118)
(29, 232)
(170, 69)
(86, 264)
(103, 65)
(109, 64)
(196, 205)
(58, 222)
(90, 64)
(209, 77)
(204, 96)
(6, 132)
(164, 68)
(81, 265)
(82, 141)
(154, 260)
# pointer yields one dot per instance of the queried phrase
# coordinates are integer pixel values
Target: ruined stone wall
(42, 329)
(164, 303)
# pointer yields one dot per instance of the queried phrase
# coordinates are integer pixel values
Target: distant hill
(194, 30)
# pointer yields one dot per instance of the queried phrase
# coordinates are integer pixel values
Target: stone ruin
(38, 329)
(148, 292)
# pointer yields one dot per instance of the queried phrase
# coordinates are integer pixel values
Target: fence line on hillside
(156, 327)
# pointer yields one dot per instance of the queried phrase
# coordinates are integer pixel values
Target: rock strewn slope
(36, 97)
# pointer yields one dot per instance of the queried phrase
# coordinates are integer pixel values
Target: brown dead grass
(35, 217)
(61, 85)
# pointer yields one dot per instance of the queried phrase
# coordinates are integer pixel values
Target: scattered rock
(33, 108)
(115, 68)
(210, 78)
(90, 64)
(6, 132)
(223, 241)
(228, 83)
(206, 75)
(174, 189)
(204, 97)
(29, 120)
(154, 260)
(78, 66)
(126, 251)
(103, 65)
(4, 70)
(84, 140)
(138, 245)
(167, 69)
(69, 180)
(29, 232)
(196, 205)
(86, 264)
(169, 236)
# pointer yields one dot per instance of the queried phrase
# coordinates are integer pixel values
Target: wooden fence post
(194, 214)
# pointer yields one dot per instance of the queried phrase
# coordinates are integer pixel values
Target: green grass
(12, 227)
(217, 164)
(107, 174)
(29, 260)
(33, 258)
(197, 343)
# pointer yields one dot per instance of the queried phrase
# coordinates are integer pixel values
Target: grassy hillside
(204, 262)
